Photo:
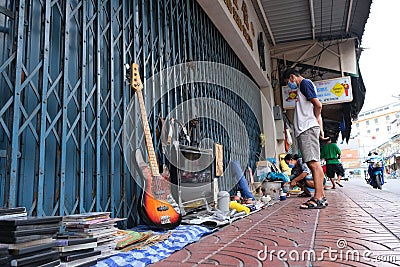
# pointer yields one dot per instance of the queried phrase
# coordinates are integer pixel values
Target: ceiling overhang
(287, 20)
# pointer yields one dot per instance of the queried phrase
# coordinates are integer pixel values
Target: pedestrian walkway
(361, 227)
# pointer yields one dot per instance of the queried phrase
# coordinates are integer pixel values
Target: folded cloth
(180, 237)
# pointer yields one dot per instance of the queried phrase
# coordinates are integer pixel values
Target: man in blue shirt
(308, 130)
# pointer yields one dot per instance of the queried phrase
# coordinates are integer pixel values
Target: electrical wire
(317, 56)
(323, 50)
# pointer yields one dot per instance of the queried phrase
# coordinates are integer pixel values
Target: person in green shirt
(331, 153)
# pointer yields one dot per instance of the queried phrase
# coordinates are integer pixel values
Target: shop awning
(289, 21)
(313, 22)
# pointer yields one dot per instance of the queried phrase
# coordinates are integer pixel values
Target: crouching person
(300, 175)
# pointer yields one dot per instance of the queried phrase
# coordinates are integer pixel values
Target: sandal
(313, 203)
(304, 194)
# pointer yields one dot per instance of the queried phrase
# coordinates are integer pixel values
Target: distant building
(390, 150)
(379, 123)
(373, 128)
(350, 158)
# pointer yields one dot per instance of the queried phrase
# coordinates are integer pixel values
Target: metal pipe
(43, 112)
(349, 16)
(312, 18)
(266, 21)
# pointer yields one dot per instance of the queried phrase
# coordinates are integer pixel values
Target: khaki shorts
(309, 144)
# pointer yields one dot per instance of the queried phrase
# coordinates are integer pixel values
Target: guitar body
(158, 207)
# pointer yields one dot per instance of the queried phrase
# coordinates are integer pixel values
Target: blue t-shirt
(307, 89)
(304, 117)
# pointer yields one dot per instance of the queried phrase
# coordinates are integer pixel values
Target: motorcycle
(375, 172)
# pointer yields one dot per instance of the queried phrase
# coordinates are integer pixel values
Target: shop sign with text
(330, 91)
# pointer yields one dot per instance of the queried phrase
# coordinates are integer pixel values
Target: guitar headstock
(134, 79)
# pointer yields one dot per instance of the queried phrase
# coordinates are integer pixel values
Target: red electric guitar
(159, 209)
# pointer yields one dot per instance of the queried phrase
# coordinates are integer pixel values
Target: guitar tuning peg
(128, 73)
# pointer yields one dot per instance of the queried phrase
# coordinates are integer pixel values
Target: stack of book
(29, 240)
(94, 225)
(6, 213)
(77, 251)
(4, 255)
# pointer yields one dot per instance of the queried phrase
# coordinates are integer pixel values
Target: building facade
(65, 104)
(65, 97)
(378, 124)
(373, 129)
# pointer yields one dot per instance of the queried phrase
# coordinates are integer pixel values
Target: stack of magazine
(77, 251)
(6, 213)
(29, 240)
(4, 256)
(94, 225)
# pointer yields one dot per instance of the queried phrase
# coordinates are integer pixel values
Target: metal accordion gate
(64, 97)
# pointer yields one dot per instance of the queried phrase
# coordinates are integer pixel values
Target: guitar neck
(147, 136)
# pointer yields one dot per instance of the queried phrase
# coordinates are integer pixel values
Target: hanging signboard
(330, 91)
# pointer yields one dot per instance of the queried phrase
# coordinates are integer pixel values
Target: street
(391, 185)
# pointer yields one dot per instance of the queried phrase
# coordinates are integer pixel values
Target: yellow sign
(293, 95)
(338, 89)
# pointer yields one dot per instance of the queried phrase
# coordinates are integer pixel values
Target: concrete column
(268, 127)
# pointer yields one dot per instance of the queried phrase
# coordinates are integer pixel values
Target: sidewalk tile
(365, 220)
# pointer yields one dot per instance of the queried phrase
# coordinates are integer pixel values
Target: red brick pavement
(361, 227)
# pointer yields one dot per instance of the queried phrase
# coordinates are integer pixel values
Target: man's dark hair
(290, 71)
(290, 156)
